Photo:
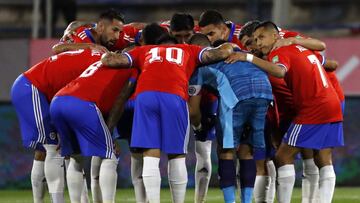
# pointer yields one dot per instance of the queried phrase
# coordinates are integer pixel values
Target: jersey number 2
(314, 60)
(169, 56)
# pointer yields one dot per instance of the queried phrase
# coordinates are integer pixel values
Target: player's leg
(310, 178)
(323, 160)
(175, 133)
(227, 174)
(38, 183)
(247, 172)
(94, 176)
(202, 169)
(136, 176)
(262, 181)
(146, 134)
(270, 193)
(32, 111)
(203, 166)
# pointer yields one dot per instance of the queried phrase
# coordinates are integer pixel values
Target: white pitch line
(348, 67)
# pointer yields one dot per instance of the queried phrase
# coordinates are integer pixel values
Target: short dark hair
(210, 17)
(219, 42)
(199, 39)
(166, 38)
(112, 14)
(181, 21)
(267, 25)
(248, 28)
(151, 33)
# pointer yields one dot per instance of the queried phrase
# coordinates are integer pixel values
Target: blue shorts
(249, 112)
(124, 126)
(209, 110)
(269, 151)
(81, 127)
(315, 136)
(161, 121)
(32, 109)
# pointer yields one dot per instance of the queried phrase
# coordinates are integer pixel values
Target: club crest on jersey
(275, 59)
(52, 136)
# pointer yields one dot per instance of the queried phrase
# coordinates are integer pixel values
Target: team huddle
(265, 94)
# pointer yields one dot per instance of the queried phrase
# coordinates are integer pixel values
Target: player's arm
(271, 68)
(119, 104)
(330, 65)
(309, 43)
(219, 53)
(62, 47)
(116, 60)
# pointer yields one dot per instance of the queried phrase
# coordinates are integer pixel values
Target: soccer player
(150, 35)
(317, 124)
(108, 32)
(164, 105)
(182, 28)
(31, 94)
(213, 25)
(252, 91)
(92, 94)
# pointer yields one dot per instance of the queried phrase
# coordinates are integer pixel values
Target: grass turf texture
(342, 195)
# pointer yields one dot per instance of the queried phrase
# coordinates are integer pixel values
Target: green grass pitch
(342, 195)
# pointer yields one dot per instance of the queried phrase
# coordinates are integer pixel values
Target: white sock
(327, 183)
(84, 194)
(310, 182)
(54, 173)
(286, 181)
(152, 178)
(94, 171)
(270, 193)
(137, 180)
(37, 181)
(202, 169)
(75, 180)
(178, 178)
(108, 179)
(261, 186)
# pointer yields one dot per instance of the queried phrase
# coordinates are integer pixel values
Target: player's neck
(95, 35)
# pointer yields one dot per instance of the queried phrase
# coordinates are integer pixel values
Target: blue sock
(229, 194)
(227, 179)
(246, 194)
(247, 179)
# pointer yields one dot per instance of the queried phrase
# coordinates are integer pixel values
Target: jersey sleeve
(198, 51)
(321, 57)
(280, 59)
(133, 56)
(83, 35)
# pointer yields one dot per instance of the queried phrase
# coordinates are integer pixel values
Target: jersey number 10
(170, 55)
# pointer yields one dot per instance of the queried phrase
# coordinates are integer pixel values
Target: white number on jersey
(76, 52)
(91, 69)
(170, 52)
(314, 60)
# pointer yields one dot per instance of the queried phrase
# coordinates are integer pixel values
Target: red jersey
(52, 74)
(315, 100)
(99, 84)
(335, 83)
(284, 99)
(129, 35)
(165, 68)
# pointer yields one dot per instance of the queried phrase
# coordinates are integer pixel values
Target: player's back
(165, 68)
(314, 97)
(99, 84)
(53, 73)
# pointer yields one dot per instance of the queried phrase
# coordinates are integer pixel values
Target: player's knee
(39, 155)
(245, 152)
(261, 168)
(152, 153)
